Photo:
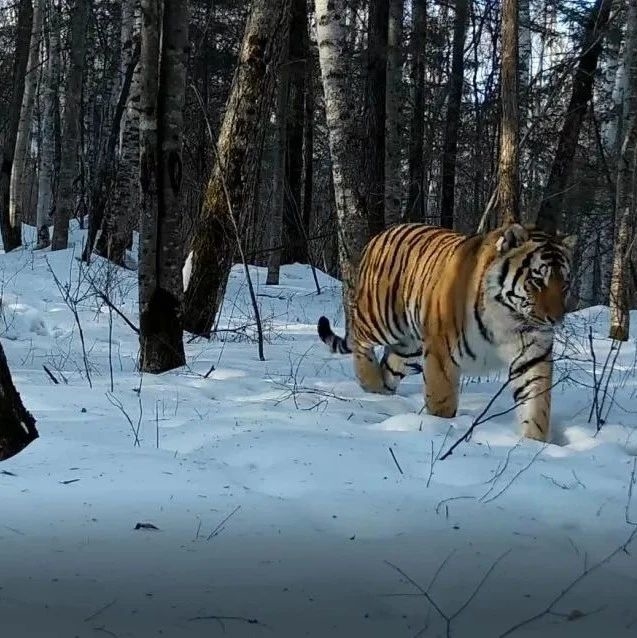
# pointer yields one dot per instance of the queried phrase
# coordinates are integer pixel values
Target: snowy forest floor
(278, 506)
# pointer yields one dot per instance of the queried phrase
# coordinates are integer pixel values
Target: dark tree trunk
(294, 231)
(452, 124)
(72, 116)
(240, 146)
(161, 172)
(550, 213)
(375, 105)
(11, 236)
(106, 170)
(415, 202)
(308, 150)
(508, 180)
(17, 425)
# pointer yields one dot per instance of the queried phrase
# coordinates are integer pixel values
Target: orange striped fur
(459, 304)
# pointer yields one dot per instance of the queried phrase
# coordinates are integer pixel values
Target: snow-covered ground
(279, 508)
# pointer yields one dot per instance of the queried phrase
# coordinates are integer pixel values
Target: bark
(452, 124)
(240, 146)
(509, 161)
(71, 126)
(106, 165)
(375, 107)
(120, 213)
(394, 120)
(626, 184)
(46, 172)
(278, 176)
(415, 202)
(295, 230)
(161, 173)
(344, 143)
(550, 212)
(11, 232)
(308, 152)
(17, 425)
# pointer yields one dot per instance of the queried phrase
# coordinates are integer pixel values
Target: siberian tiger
(463, 303)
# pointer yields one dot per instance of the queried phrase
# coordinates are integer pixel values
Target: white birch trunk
(18, 171)
(625, 198)
(349, 179)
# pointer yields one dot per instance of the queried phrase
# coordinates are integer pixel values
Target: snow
(273, 489)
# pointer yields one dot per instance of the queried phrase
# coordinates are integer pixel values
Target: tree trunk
(120, 213)
(106, 169)
(17, 425)
(344, 142)
(509, 163)
(375, 107)
(308, 150)
(550, 213)
(240, 146)
(394, 120)
(11, 232)
(71, 127)
(46, 173)
(452, 124)
(416, 197)
(294, 228)
(278, 175)
(625, 204)
(161, 172)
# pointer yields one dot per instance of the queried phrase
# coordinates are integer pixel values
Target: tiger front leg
(531, 377)
(442, 380)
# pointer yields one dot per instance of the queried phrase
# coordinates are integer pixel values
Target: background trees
(386, 112)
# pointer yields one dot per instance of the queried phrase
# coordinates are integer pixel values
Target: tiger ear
(569, 242)
(512, 237)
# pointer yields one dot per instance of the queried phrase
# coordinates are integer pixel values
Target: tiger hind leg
(442, 381)
(398, 362)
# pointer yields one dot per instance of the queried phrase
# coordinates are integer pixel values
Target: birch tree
(163, 64)
(625, 205)
(344, 144)
(11, 232)
(239, 146)
(120, 214)
(50, 98)
(71, 125)
(394, 119)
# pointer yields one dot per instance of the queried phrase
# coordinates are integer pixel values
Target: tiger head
(531, 273)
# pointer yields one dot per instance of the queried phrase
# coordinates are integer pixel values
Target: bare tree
(239, 146)
(452, 124)
(278, 173)
(349, 185)
(46, 172)
(394, 119)
(71, 125)
(509, 163)
(416, 198)
(163, 87)
(375, 112)
(625, 202)
(549, 215)
(11, 232)
(17, 425)
(120, 215)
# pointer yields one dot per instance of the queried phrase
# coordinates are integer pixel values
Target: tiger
(442, 303)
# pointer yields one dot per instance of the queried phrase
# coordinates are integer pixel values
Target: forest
(191, 190)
